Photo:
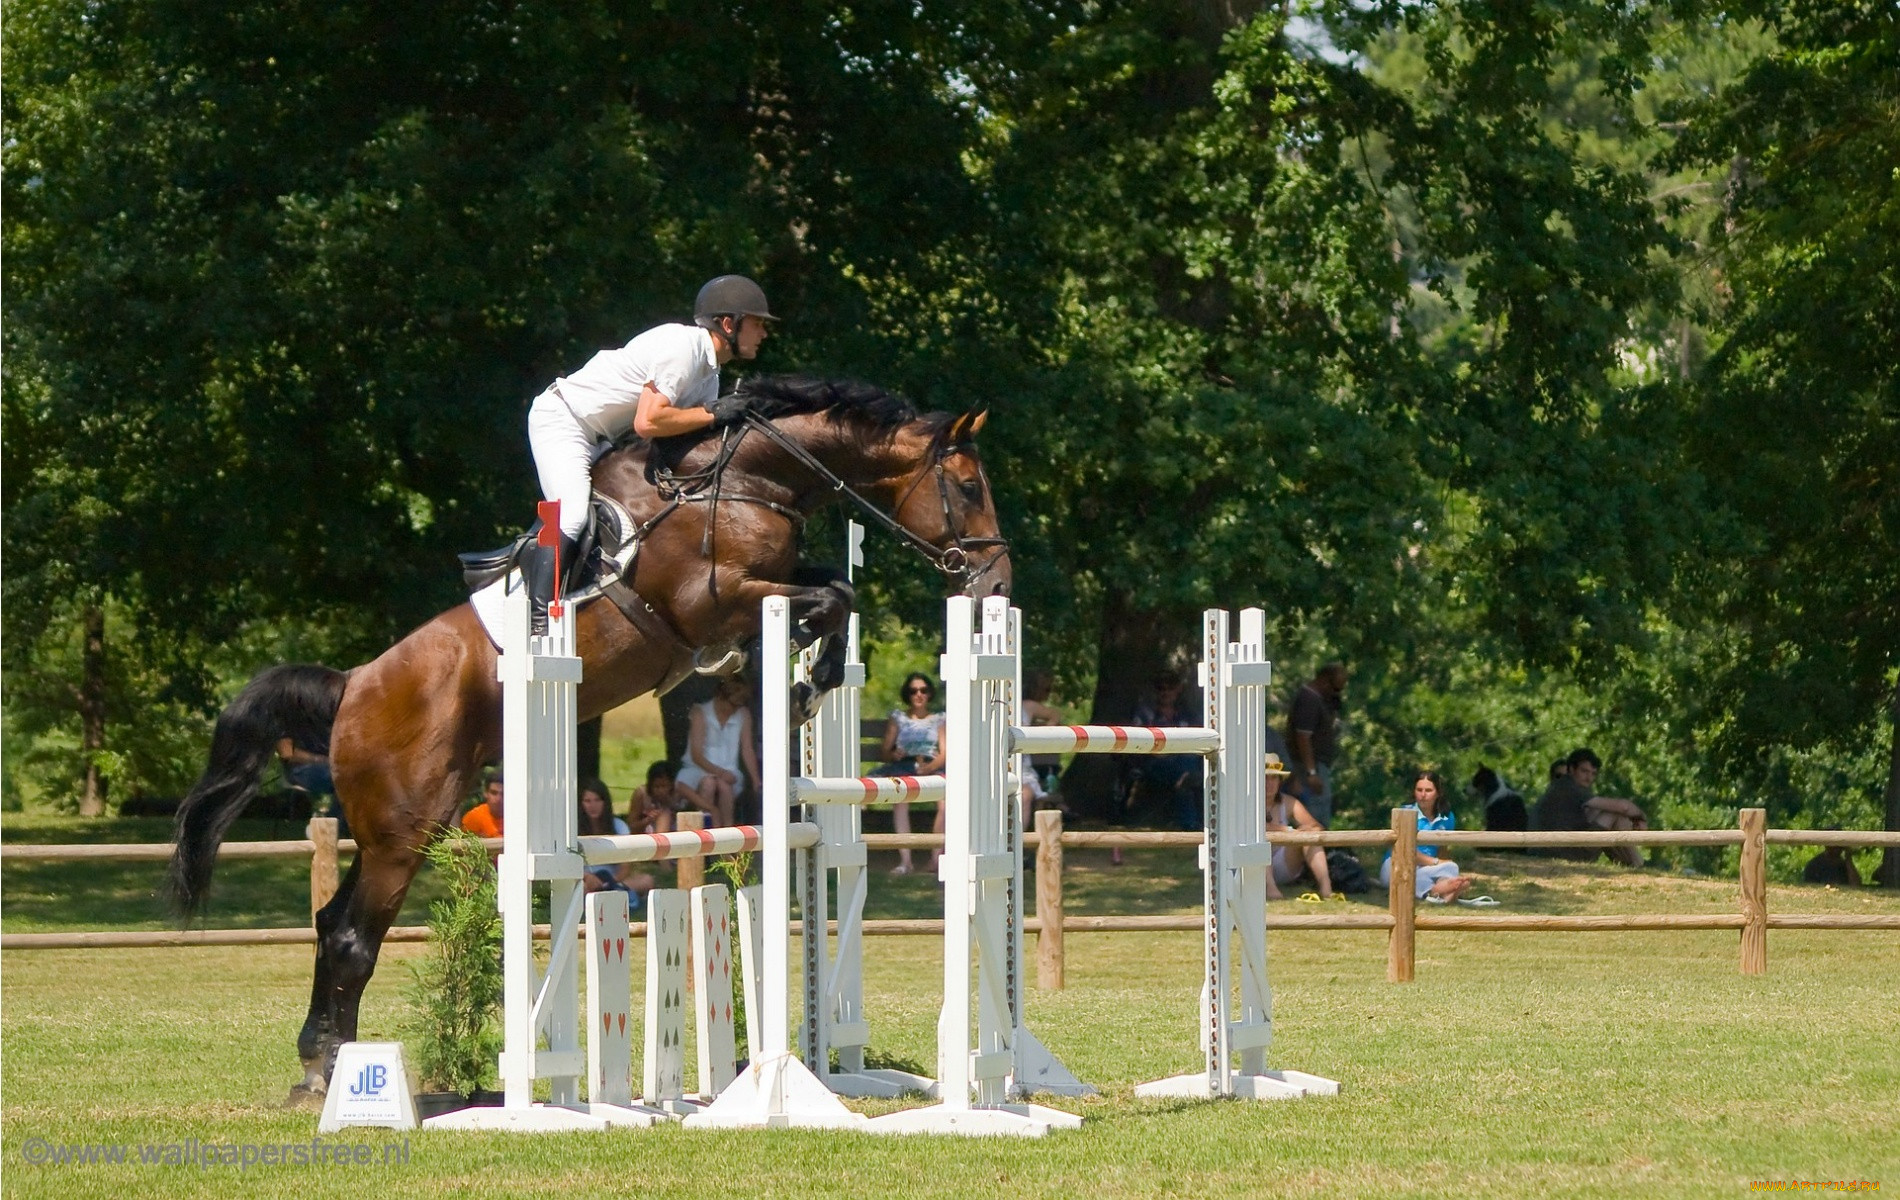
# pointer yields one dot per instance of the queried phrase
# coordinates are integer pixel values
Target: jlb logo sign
(369, 1086)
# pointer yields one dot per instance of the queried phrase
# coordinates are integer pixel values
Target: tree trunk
(1889, 872)
(92, 710)
(1135, 644)
(587, 749)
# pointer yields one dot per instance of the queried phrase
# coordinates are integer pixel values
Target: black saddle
(604, 536)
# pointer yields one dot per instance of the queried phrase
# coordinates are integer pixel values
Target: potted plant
(455, 989)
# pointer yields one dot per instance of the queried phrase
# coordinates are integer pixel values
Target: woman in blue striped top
(1438, 881)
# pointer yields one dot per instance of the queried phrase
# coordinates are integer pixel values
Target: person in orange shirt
(484, 820)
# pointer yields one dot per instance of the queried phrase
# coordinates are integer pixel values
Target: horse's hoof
(805, 702)
(303, 1096)
(730, 662)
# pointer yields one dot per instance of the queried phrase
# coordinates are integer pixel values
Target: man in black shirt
(1571, 803)
(1312, 734)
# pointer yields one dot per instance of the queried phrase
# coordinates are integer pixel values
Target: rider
(663, 383)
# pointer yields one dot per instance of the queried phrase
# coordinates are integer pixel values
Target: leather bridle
(953, 560)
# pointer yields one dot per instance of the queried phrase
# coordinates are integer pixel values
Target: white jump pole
(776, 1090)
(979, 869)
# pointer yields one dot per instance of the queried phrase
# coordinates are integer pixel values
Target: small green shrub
(455, 990)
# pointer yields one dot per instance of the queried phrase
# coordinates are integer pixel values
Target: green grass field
(1518, 1064)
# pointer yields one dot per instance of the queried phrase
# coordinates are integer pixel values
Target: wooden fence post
(1049, 963)
(692, 871)
(1401, 955)
(1754, 823)
(323, 872)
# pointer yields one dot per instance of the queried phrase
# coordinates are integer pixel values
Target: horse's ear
(967, 425)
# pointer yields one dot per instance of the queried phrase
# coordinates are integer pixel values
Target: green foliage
(1797, 418)
(455, 990)
(161, 694)
(1536, 358)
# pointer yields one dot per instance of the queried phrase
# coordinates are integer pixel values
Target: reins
(953, 561)
(704, 487)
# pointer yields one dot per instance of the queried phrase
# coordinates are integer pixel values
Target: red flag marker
(550, 513)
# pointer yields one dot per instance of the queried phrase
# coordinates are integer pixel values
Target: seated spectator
(913, 745)
(307, 770)
(1571, 803)
(1833, 865)
(1174, 779)
(654, 807)
(596, 816)
(1036, 710)
(484, 820)
(1290, 863)
(1437, 881)
(719, 744)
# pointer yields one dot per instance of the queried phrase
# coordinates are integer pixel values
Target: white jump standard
(539, 678)
(777, 1089)
(1235, 859)
(981, 871)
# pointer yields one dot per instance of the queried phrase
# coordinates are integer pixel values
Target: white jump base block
(548, 1118)
(1269, 1085)
(776, 1092)
(993, 1120)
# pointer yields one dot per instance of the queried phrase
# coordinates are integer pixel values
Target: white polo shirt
(679, 360)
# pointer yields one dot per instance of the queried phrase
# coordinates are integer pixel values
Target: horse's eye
(972, 489)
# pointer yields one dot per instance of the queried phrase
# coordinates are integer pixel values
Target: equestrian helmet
(730, 296)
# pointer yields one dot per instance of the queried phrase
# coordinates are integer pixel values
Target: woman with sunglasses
(913, 745)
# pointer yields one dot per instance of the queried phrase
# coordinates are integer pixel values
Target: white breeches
(1289, 863)
(562, 449)
(1427, 876)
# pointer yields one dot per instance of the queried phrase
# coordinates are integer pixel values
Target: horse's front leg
(823, 613)
(821, 602)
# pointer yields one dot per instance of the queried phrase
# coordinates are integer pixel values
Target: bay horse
(410, 732)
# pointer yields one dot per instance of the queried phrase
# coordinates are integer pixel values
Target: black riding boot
(538, 565)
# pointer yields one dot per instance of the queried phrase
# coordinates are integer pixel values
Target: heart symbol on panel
(623, 1024)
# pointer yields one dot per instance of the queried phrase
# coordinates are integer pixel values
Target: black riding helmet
(729, 296)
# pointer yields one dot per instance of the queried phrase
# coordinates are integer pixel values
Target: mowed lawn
(1517, 1065)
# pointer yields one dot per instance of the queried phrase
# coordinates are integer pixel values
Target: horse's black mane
(840, 399)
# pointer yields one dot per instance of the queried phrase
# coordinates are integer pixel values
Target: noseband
(953, 560)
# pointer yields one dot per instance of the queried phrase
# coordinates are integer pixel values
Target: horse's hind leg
(350, 931)
(317, 1042)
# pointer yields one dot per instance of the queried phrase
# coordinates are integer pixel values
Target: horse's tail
(299, 702)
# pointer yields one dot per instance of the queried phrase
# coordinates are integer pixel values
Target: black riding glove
(728, 409)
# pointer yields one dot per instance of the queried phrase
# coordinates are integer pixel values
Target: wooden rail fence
(1400, 918)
